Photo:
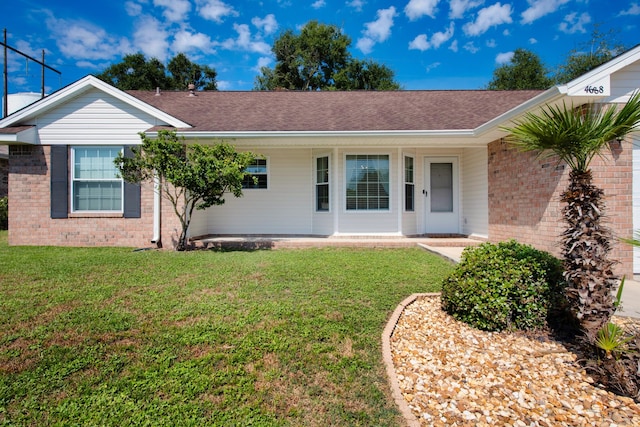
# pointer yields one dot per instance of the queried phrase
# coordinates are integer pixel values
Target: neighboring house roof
(284, 111)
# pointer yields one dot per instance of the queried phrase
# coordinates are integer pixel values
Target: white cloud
(151, 38)
(224, 85)
(454, 46)
(491, 43)
(215, 10)
(539, 8)
(184, 41)
(245, 42)
(132, 8)
(263, 61)
(504, 58)
(459, 7)
(269, 24)
(318, 4)
(420, 43)
(432, 66)
(88, 64)
(83, 40)
(488, 17)
(377, 31)
(174, 10)
(416, 9)
(633, 10)
(365, 44)
(471, 47)
(423, 43)
(356, 4)
(575, 24)
(533, 41)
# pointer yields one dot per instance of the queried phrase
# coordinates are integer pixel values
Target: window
(409, 185)
(95, 183)
(367, 180)
(256, 175)
(322, 184)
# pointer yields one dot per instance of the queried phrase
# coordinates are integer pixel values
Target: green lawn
(110, 336)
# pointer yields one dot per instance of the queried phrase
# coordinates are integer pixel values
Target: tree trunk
(586, 245)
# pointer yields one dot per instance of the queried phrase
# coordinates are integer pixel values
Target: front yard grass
(109, 336)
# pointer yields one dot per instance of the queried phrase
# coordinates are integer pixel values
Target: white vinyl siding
(625, 82)
(475, 191)
(93, 118)
(286, 207)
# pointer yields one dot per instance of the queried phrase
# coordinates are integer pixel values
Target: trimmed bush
(508, 286)
(4, 213)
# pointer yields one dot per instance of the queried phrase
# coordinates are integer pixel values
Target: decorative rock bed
(449, 374)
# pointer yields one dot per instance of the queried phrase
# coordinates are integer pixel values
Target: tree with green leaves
(601, 48)
(184, 72)
(525, 70)
(576, 135)
(365, 75)
(318, 59)
(136, 72)
(192, 176)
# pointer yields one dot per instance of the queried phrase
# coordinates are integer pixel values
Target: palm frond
(575, 134)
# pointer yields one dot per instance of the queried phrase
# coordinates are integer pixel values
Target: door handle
(425, 192)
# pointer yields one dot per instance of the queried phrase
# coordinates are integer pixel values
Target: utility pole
(6, 76)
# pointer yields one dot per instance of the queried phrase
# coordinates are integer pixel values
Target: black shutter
(59, 181)
(131, 193)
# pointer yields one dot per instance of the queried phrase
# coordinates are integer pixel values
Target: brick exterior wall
(30, 220)
(524, 198)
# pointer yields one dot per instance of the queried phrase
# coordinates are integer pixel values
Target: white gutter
(320, 134)
(156, 211)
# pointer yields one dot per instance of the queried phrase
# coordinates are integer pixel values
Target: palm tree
(576, 135)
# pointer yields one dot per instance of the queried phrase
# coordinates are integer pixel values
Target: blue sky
(430, 44)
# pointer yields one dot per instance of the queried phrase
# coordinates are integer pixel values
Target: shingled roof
(225, 111)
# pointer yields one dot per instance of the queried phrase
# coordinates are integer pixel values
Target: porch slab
(455, 245)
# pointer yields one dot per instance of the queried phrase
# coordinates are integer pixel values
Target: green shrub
(4, 213)
(505, 286)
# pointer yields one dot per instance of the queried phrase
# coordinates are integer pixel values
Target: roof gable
(597, 82)
(77, 88)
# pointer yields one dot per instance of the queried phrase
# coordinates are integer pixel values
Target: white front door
(441, 195)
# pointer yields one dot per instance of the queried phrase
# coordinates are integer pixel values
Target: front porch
(449, 246)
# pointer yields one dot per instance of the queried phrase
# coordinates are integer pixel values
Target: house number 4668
(594, 89)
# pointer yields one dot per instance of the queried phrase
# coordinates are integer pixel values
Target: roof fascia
(78, 87)
(319, 134)
(600, 76)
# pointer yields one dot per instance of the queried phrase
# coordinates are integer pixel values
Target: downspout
(156, 212)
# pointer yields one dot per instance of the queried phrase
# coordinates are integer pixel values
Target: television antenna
(6, 77)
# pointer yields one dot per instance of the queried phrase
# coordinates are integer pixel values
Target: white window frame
(346, 179)
(73, 180)
(318, 184)
(405, 182)
(267, 174)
